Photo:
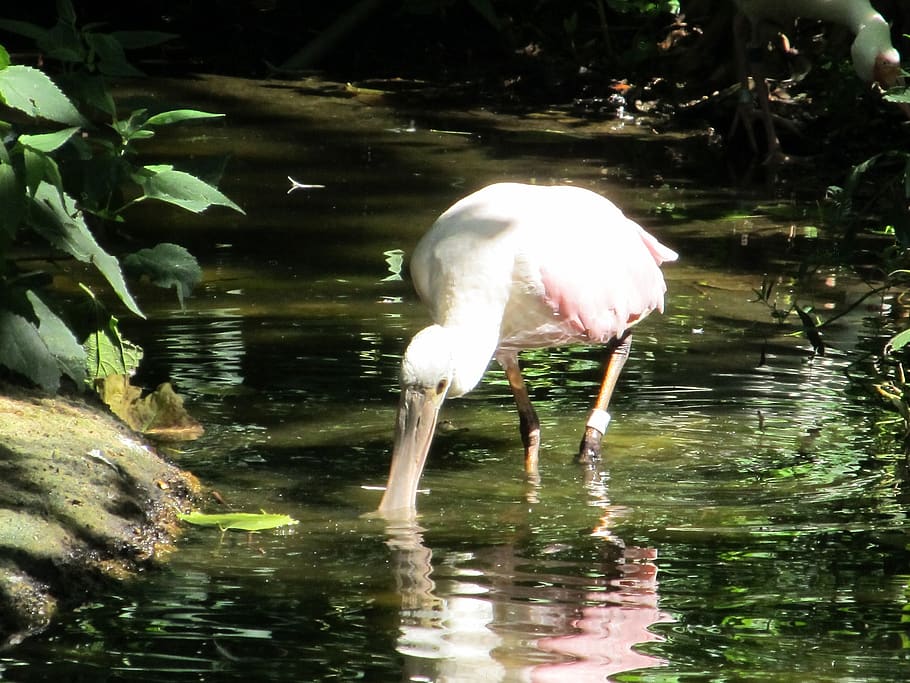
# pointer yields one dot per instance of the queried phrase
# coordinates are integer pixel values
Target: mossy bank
(84, 503)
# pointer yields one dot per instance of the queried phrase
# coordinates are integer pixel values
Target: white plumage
(511, 267)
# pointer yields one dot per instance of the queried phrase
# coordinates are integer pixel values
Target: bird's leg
(749, 59)
(743, 116)
(589, 449)
(529, 424)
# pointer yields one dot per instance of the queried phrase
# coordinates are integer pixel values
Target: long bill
(414, 428)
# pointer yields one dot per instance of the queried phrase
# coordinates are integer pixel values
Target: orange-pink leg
(529, 424)
(748, 59)
(599, 418)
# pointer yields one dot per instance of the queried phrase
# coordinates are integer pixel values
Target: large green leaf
(165, 183)
(166, 265)
(55, 217)
(108, 353)
(23, 351)
(31, 91)
(178, 115)
(59, 341)
(47, 142)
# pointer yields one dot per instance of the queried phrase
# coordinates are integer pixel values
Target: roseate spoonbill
(874, 57)
(513, 267)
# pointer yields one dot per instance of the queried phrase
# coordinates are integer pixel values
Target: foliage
(888, 177)
(61, 175)
(874, 200)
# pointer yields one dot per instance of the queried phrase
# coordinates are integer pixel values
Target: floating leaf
(183, 189)
(31, 91)
(241, 521)
(178, 115)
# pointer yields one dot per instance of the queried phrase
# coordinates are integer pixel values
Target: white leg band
(599, 420)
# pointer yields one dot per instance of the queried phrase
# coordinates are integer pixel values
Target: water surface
(743, 525)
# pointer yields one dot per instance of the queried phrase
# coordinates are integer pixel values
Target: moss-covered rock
(83, 502)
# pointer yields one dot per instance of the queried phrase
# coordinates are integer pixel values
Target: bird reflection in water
(496, 614)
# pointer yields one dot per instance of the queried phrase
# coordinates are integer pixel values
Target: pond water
(743, 524)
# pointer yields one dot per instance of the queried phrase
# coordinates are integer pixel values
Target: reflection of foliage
(874, 201)
(59, 173)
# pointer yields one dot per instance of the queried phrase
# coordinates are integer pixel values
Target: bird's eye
(441, 387)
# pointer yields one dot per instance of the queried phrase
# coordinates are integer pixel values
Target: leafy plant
(887, 176)
(61, 175)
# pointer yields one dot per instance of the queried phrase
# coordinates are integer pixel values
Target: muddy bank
(83, 503)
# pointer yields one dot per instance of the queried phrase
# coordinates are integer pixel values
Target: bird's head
(874, 57)
(427, 371)
(886, 70)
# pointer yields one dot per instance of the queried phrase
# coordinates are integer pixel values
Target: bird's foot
(589, 449)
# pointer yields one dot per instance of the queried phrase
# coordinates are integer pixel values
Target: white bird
(513, 267)
(874, 57)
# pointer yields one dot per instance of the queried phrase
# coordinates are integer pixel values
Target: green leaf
(241, 521)
(900, 96)
(108, 353)
(166, 265)
(112, 60)
(55, 217)
(31, 91)
(178, 115)
(182, 189)
(12, 200)
(90, 89)
(59, 341)
(22, 350)
(4, 58)
(47, 142)
(23, 28)
(64, 42)
(137, 40)
(40, 167)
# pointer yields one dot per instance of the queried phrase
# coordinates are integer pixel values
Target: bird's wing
(600, 271)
